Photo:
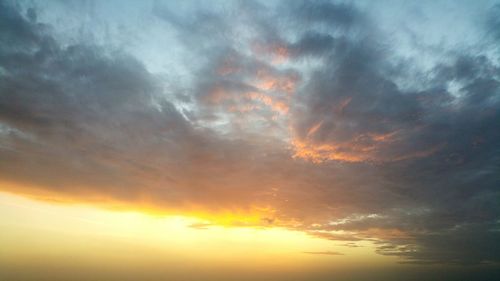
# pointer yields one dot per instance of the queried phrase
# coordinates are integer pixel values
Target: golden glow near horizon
(39, 231)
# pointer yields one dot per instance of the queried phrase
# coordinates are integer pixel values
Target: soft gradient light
(35, 233)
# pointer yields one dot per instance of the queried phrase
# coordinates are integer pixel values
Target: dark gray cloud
(493, 23)
(80, 105)
(300, 109)
(440, 147)
(343, 15)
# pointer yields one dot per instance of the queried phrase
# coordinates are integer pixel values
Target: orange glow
(280, 54)
(314, 129)
(278, 106)
(324, 152)
(158, 237)
(353, 151)
(217, 94)
(251, 215)
(267, 81)
(244, 108)
(363, 147)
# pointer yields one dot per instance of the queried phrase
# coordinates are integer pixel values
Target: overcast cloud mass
(351, 121)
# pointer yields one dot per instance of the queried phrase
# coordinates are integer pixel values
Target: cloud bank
(330, 118)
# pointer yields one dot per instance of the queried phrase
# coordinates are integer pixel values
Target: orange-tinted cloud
(275, 105)
(278, 53)
(276, 82)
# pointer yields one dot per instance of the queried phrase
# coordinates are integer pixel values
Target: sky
(244, 140)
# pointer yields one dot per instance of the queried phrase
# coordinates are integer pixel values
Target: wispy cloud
(328, 253)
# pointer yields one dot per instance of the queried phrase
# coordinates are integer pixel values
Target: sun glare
(50, 230)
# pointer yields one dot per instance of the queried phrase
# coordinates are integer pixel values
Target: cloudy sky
(365, 124)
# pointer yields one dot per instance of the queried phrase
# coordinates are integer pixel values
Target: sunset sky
(249, 140)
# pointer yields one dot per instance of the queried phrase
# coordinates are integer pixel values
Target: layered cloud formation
(340, 120)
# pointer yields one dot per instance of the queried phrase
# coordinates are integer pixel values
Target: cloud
(329, 253)
(333, 14)
(300, 115)
(87, 111)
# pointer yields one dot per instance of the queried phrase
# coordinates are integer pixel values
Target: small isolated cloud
(328, 253)
(200, 225)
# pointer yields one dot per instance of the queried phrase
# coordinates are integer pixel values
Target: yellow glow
(33, 231)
